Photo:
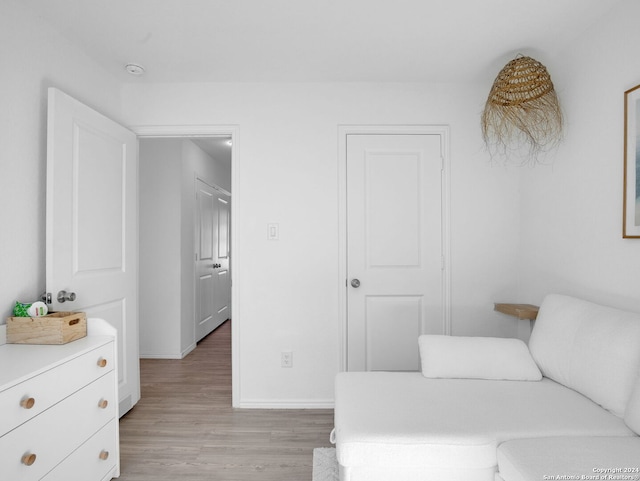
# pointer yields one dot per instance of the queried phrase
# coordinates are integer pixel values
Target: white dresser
(58, 409)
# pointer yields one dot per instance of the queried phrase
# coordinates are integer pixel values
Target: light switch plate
(273, 231)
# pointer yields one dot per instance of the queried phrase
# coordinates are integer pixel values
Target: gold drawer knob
(103, 404)
(28, 459)
(102, 362)
(27, 402)
(104, 455)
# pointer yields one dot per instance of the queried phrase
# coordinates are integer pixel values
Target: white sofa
(489, 409)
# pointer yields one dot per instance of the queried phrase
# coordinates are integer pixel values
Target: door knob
(355, 283)
(64, 296)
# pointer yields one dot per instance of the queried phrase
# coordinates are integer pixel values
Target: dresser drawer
(93, 460)
(56, 433)
(27, 399)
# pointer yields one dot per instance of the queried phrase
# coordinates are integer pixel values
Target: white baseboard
(155, 355)
(189, 349)
(286, 404)
(160, 356)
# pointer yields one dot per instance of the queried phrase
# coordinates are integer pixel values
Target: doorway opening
(173, 223)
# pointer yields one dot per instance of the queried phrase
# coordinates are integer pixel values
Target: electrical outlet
(286, 359)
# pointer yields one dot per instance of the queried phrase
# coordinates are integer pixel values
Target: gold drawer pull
(104, 455)
(102, 362)
(27, 402)
(103, 404)
(28, 459)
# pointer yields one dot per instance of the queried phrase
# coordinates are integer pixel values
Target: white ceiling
(316, 40)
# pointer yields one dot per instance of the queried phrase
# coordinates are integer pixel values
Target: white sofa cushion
(376, 473)
(457, 357)
(586, 457)
(588, 347)
(405, 420)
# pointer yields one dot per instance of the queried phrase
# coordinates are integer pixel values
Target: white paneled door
(394, 248)
(92, 226)
(213, 279)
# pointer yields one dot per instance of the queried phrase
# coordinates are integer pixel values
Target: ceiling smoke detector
(134, 69)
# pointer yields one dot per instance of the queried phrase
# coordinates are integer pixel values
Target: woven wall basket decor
(522, 113)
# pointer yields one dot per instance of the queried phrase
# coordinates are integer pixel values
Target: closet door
(213, 278)
(394, 249)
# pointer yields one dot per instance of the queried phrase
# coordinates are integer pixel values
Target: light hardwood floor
(184, 427)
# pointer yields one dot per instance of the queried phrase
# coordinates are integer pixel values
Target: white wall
(287, 173)
(214, 171)
(168, 168)
(572, 211)
(34, 57)
(160, 241)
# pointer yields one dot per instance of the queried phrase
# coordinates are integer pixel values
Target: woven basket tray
(54, 328)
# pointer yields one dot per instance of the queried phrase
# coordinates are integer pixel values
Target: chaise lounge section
(574, 458)
(478, 406)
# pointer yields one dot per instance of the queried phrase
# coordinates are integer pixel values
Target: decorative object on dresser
(54, 328)
(59, 409)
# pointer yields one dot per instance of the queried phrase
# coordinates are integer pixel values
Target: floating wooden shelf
(521, 311)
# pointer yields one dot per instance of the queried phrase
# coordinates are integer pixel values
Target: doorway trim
(445, 216)
(233, 131)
